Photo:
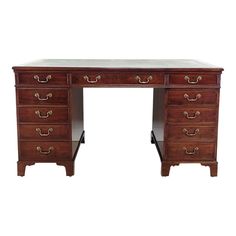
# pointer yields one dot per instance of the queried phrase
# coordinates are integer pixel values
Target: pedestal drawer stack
(191, 120)
(43, 116)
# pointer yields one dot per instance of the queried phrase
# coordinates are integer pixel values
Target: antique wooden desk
(49, 97)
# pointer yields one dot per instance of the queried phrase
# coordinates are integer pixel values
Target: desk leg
(69, 166)
(21, 165)
(213, 167)
(165, 169)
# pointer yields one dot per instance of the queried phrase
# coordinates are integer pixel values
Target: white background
(117, 188)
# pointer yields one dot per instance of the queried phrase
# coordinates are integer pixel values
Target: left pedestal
(50, 130)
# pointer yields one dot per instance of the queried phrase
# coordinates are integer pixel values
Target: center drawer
(97, 78)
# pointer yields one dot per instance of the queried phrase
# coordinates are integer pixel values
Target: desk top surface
(119, 64)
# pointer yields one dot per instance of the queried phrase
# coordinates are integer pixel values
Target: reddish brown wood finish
(28, 115)
(194, 97)
(188, 133)
(181, 79)
(176, 90)
(44, 132)
(61, 151)
(27, 78)
(42, 96)
(191, 151)
(126, 79)
(179, 115)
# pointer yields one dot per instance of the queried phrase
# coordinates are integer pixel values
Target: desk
(49, 98)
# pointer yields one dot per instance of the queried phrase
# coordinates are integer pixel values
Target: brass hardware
(44, 134)
(98, 77)
(49, 113)
(188, 79)
(42, 81)
(49, 95)
(186, 132)
(50, 149)
(198, 96)
(196, 114)
(143, 81)
(193, 152)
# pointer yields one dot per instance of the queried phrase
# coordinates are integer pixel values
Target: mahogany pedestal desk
(49, 97)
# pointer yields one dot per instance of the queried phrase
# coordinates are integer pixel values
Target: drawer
(122, 78)
(45, 151)
(44, 132)
(191, 152)
(191, 133)
(192, 115)
(192, 79)
(43, 114)
(42, 96)
(193, 97)
(142, 78)
(42, 78)
(94, 78)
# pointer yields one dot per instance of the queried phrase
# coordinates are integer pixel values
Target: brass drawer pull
(50, 149)
(187, 78)
(49, 113)
(49, 95)
(186, 132)
(187, 116)
(44, 134)
(86, 77)
(198, 96)
(193, 152)
(42, 81)
(143, 81)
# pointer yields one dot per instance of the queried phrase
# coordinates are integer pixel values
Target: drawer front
(95, 78)
(42, 96)
(43, 114)
(192, 79)
(42, 79)
(45, 151)
(122, 78)
(44, 132)
(192, 115)
(191, 152)
(193, 97)
(191, 133)
(142, 78)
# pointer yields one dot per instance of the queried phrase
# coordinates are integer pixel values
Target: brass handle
(49, 95)
(192, 152)
(50, 149)
(86, 77)
(186, 132)
(143, 81)
(198, 96)
(42, 81)
(187, 78)
(187, 116)
(49, 113)
(44, 134)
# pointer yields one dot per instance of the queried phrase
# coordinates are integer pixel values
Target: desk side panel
(77, 113)
(158, 124)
